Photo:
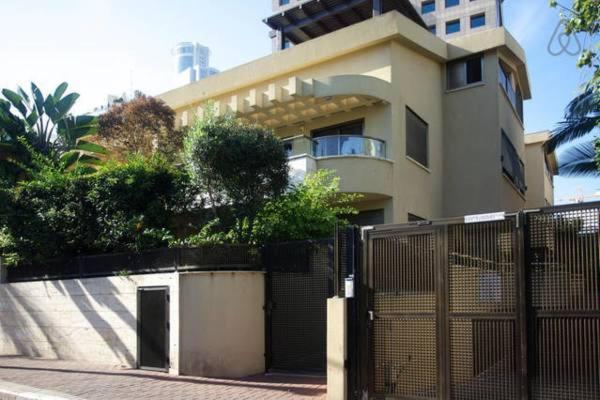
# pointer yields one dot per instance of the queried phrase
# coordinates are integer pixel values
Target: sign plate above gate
(473, 219)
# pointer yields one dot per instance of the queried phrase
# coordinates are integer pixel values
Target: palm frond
(579, 160)
(570, 130)
(582, 117)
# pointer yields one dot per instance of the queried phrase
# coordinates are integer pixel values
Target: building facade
(444, 18)
(422, 128)
(540, 171)
(192, 62)
(453, 18)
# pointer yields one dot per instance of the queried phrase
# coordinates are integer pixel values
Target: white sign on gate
(473, 219)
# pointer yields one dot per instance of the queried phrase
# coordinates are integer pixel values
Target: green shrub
(122, 207)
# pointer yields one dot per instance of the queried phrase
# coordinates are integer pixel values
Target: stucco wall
(336, 349)
(222, 324)
(540, 190)
(93, 320)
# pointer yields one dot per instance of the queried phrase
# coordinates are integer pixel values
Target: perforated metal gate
(443, 310)
(499, 310)
(564, 279)
(298, 285)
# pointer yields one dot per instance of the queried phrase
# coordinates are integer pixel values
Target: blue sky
(110, 46)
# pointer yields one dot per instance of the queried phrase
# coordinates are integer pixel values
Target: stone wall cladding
(93, 320)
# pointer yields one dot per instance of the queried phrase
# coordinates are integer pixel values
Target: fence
(204, 258)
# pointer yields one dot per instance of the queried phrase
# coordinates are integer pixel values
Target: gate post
(343, 314)
(523, 301)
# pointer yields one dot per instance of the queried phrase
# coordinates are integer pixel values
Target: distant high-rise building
(452, 18)
(444, 18)
(192, 62)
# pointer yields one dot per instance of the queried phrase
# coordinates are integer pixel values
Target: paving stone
(93, 382)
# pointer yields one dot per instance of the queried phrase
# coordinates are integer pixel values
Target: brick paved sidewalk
(93, 382)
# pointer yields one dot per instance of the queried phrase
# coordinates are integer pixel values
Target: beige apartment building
(540, 170)
(423, 128)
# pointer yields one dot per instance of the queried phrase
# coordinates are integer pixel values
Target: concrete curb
(14, 391)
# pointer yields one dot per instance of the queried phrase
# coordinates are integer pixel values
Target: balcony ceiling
(289, 102)
(319, 17)
(303, 109)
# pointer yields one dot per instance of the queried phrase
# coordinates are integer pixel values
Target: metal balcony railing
(336, 145)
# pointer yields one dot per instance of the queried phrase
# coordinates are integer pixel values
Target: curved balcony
(348, 145)
(342, 153)
(336, 146)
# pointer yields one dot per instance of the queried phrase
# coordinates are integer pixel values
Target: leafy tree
(238, 165)
(310, 210)
(145, 126)
(582, 117)
(583, 17)
(47, 126)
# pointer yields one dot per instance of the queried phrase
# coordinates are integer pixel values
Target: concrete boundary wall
(92, 320)
(95, 320)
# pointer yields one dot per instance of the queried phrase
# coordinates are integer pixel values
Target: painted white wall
(222, 324)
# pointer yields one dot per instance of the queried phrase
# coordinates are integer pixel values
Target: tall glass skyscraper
(192, 62)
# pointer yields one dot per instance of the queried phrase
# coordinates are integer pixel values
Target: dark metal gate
(153, 328)
(442, 305)
(500, 307)
(564, 280)
(298, 285)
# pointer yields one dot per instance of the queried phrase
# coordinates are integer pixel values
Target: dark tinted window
(473, 70)
(464, 72)
(432, 29)
(284, 2)
(453, 26)
(347, 128)
(367, 218)
(452, 3)
(427, 6)
(512, 166)
(416, 138)
(477, 20)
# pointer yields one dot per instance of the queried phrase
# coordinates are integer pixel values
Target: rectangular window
(505, 77)
(464, 72)
(367, 218)
(477, 20)
(474, 73)
(417, 132)
(453, 26)
(427, 6)
(452, 3)
(512, 166)
(284, 2)
(432, 29)
(286, 43)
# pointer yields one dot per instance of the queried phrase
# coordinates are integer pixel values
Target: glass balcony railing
(337, 145)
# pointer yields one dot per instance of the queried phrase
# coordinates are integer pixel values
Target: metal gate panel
(565, 294)
(403, 338)
(482, 293)
(297, 289)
